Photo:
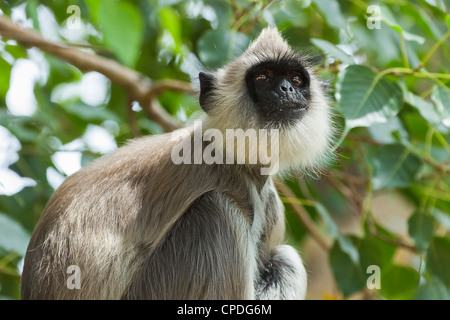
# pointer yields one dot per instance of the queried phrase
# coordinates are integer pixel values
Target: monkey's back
(107, 217)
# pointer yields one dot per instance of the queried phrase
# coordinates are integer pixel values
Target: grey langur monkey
(137, 225)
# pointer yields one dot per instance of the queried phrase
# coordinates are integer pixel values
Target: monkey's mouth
(286, 111)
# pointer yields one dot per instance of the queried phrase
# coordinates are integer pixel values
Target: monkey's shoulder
(137, 157)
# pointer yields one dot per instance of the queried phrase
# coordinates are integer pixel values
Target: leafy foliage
(389, 80)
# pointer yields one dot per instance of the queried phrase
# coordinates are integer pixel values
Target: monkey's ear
(206, 87)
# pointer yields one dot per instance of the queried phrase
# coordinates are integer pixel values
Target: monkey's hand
(283, 277)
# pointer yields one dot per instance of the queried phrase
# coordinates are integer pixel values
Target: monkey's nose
(285, 88)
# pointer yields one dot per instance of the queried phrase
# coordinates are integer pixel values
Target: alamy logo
(374, 18)
(374, 280)
(74, 280)
(74, 21)
(240, 147)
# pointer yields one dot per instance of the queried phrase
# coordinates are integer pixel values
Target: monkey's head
(270, 86)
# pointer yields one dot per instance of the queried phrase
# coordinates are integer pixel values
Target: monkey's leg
(283, 276)
(201, 257)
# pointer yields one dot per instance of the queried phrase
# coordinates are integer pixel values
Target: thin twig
(353, 198)
(433, 49)
(160, 86)
(349, 178)
(394, 242)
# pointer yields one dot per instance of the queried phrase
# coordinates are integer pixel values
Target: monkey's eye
(296, 80)
(262, 77)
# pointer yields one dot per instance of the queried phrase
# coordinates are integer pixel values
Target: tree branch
(138, 86)
(394, 242)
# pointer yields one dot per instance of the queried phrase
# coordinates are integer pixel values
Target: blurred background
(373, 224)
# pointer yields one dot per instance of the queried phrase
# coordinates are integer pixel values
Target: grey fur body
(141, 227)
(200, 237)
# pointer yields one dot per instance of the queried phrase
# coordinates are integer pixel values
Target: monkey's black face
(280, 90)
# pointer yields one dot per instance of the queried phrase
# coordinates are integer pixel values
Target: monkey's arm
(202, 257)
(281, 270)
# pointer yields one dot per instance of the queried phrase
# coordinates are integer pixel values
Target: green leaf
(394, 167)
(333, 51)
(5, 74)
(216, 47)
(61, 72)
(31, 10)
(416, 127)
(89, 113)
(150, 126)
(26, 205)
(295, 230)
(388, 132)
(439, 4)
(13, 236)
(94, 10)
(413, 37)
(170, 22)
(331, 12)
(348, 274)
(345, 244)
(223, 12)
(438, 259)
(441, 99)
(426, 109)
(433, 290)
(441, 96)
(430, 26)
(399, 283)
(373, 251)
(442, 218)
(25, 128)
(122, 28)
(10, 285)
(16, 51)
(287, 14)
(407, 35)
(390, 19)
(421, 228)
(87, 157)
(366, 98)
